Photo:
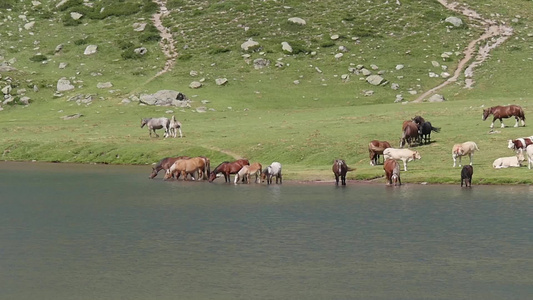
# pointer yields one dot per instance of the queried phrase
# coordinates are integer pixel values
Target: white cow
(460, 150)
(510, 161)
(404, 155)
(529, 152)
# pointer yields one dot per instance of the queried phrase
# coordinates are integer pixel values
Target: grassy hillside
(261, 114)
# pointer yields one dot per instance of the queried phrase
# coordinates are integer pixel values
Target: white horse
(460, 150)
(156, 123)
(174, 124)
(274, 170)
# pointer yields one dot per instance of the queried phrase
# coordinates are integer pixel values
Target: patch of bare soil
(493, 36)
(167, 42)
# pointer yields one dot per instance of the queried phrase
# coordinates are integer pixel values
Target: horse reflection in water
(227, 168)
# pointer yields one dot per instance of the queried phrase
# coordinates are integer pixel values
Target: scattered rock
(395, 86)
(399, 98)
(104, 85)
(63, 65)
(75, 15)
(140, 51)
(296, 20)
(455, 21)
(374, 79)
(91, 49)
(260, 63)
(436, 98)
(29, 26)
(286, 47)
(221, 81)
(64, 85)
(139, 26)
(250, 45)
(70, 117)
(165, 98)
(195, 85)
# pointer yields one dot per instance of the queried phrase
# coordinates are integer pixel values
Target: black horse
(425, 130)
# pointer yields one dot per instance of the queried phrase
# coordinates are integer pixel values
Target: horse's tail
(435, 129)
(522, 114)
(350, 169)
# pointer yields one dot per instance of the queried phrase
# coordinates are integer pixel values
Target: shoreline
(29, 166)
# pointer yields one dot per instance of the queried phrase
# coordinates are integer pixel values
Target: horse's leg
(501, 122)
(343, 179)
(516, 124)
(405, 165)
(471, 157)
(181, 135)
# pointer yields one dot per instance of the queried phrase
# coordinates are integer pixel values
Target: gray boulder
(64, 85)
(91, 49)
(286, 47)
(250, 45)
(296, 20)
(374, 79)
(165, 98)
(260, 63)
(455, 21)
(436, 98)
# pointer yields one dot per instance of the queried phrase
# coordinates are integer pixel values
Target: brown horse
(165, 164)
(375, 149)
(228, 168)
(410, 133)
(186, 167)
(392, 172)
(340, 169)
(503, 112)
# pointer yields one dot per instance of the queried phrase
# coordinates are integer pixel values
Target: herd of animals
(416, 130)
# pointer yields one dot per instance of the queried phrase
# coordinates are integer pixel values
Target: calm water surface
(108, 232)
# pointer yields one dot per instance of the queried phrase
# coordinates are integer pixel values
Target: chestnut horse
(520, 143)
(340, 169)
(165, 164)
(392, 172)
(410, 133)
(375, 149)
(186, 167)
(228, 168)
(503, 112)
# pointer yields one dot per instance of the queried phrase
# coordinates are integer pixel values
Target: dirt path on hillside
(493, 36)
(167, 42)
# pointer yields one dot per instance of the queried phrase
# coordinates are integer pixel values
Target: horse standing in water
(191, 166)
(340, 169)
(392, 172)
(503, 112)
(375, 149)
(165, 164)
(228, 168)
(274, 170)
(156, 123)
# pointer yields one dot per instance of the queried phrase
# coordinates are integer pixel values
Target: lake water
(108, 232)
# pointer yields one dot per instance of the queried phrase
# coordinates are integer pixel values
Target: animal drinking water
(227, 168)
(274, 170)
(503, 112)
(247, 171)
(182, 167)
(392, 172)
(340, 169)
(165, 164)
(156, 123)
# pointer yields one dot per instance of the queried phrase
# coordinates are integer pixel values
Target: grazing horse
(425, 130)
(466, 175)
(174, 124)
(520, 143)
(460, 150)
(392, 172)
(340, 169)
(246, 171)
(503, 112)
(228, 168)
(375, 149)
(274, 170)
(186, 167)
(410, 133)
(156, 123)
(165, 164)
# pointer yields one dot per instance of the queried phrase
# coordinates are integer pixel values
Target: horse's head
(143, 122)
(154, 173)
(168, 175)
(511, 144)
(418, 120)
(212, 176)
(486, 113)
(416, 155)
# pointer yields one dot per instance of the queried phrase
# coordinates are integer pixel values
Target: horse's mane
(224, 162)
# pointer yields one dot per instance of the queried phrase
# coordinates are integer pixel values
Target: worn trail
(493, 36)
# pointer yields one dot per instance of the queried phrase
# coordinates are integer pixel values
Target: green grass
(262, 114)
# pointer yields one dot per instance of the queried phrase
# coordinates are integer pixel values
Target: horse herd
(417, 130)
(199, 168)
